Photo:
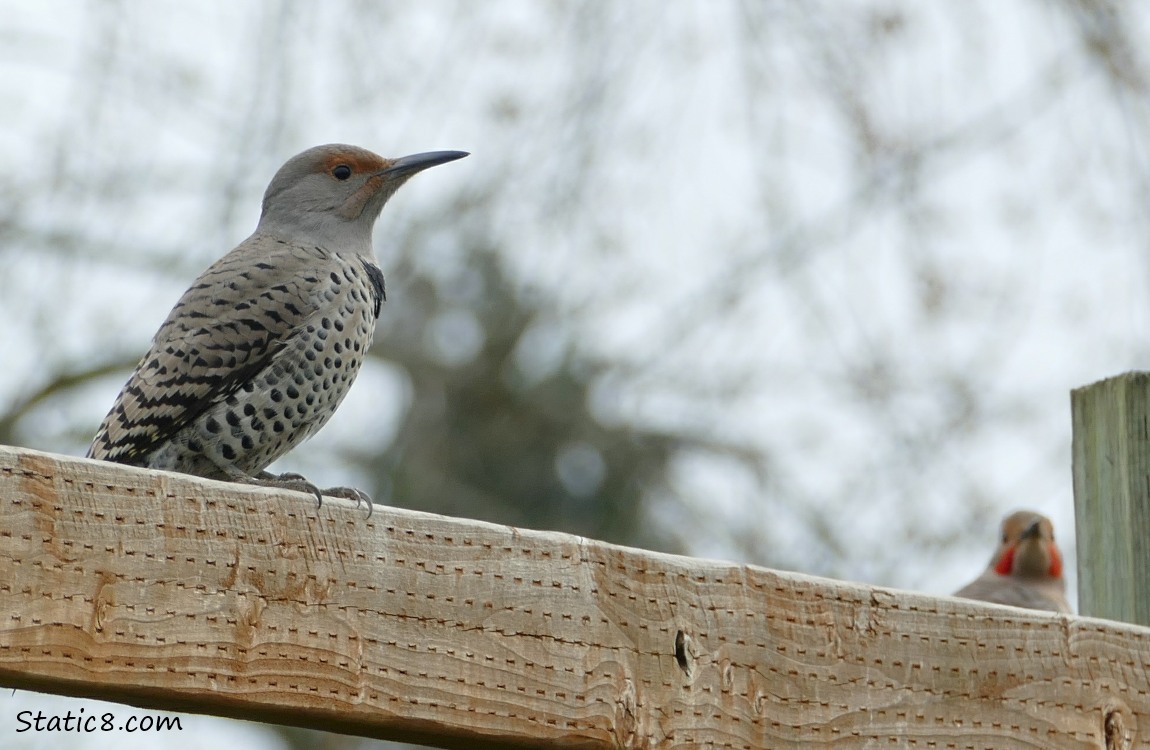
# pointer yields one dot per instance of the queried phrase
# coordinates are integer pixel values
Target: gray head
(331, 195)
(1027, 548)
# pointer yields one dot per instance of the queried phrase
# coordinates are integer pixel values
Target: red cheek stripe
(1006, 564)
(1055, 561)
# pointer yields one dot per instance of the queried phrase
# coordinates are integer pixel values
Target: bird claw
(292, 481)
(351, 493)
(287, 481)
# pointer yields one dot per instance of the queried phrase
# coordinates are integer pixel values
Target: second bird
(1026, 569)
(259, 352)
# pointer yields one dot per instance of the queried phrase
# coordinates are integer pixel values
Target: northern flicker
(1026, 569)
(261, 349)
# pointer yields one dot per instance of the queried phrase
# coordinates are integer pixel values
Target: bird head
(1027, 549)
(331, 195)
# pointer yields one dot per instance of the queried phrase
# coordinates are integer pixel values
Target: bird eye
(341, 172)
(1005, 537)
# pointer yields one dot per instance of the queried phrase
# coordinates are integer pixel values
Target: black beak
(1033, 530)
(419, 162)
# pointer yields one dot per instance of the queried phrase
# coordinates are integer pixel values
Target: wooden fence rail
(165, 591)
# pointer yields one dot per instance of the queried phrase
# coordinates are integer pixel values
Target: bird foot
(286, 481)
(351, 493)
(293, 481)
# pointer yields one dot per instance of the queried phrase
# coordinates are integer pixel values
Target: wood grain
(164, 591)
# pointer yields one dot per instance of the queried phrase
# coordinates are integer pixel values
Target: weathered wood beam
(169, 592)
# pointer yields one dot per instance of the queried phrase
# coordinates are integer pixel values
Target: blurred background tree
(797, 283)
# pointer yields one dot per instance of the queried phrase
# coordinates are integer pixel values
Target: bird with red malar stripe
(1026, 569)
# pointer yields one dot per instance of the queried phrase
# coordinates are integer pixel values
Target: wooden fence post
(1111, 448)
